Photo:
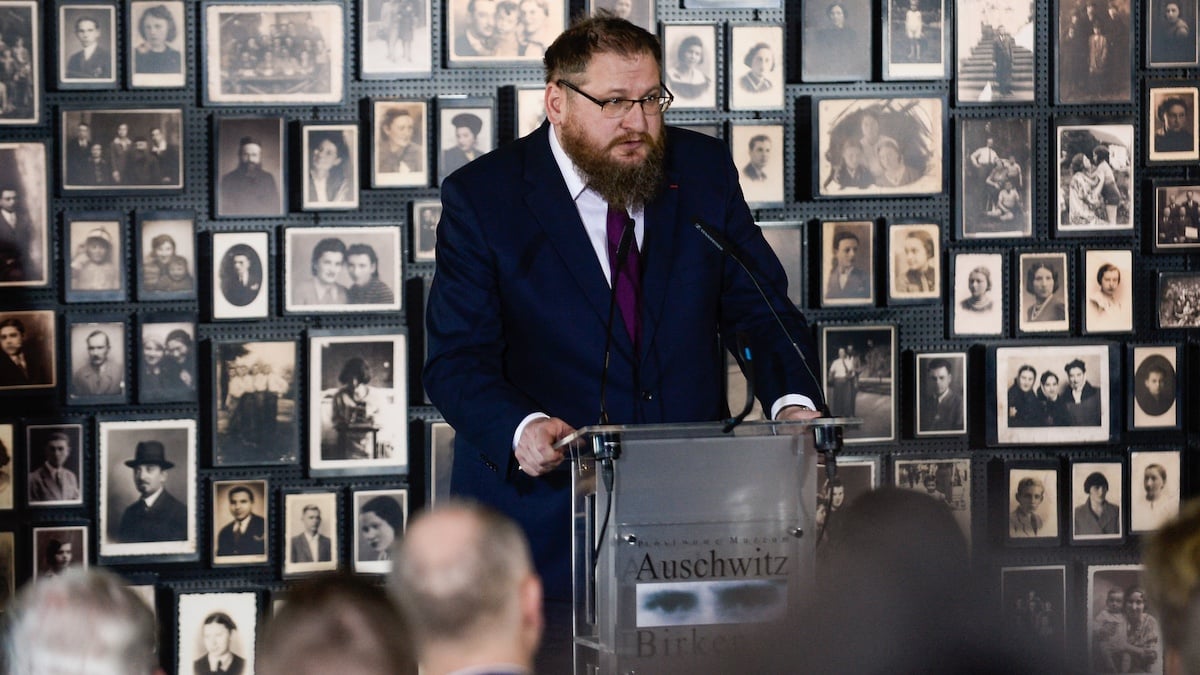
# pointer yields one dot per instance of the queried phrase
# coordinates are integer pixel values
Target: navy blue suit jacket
(519, 304)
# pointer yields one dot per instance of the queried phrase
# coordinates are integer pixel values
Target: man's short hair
(221, 618)
(604, 33)
(1029, 482)
(1075, 363)
(310, 507)
(758, 138)
(88, 19)
(1172, 580)
(101, 334)
(110, 628)
(57, 436)
(240, 488)
(13, 323)
(840, 235)
(934, 364)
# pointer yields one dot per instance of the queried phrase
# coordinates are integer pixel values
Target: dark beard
(619, 184)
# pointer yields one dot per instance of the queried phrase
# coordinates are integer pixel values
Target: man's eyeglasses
(613, 108)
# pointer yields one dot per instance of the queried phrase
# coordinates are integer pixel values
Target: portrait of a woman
(154, 54)
(686, 78)
(330, 179)
(979, 284)
(1042, 282)
(380, 522)
(357, 411)
(1024, 409)
(761, 62)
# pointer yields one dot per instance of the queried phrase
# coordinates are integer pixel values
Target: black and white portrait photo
(397, 39)
(1178, 300)
(24, 191)
(398, 151)
(1170, 33)
(342, 269)
(166, 255)
(216, 633)
(1171, 123)
(1155, 387)
(1095, 52)
(1034, 608)
(424, 220)
(251, 156)
(914, 262)
(859, 364)
(1044, 292)
(95, 257)
(54, 455)
(96, 352)
(255, 397)
(641, 12)
(167, 371)
(941, 394)
(464, 133)
(847, 263)
(690, 71)
(379, 518)
(1051, 393)
(357, 399)
(147, 488)
(1154, 488)
(121, 150)
(86, 57)
(758, 151)
(756, 64)
(330, 175)
(240, 513)
(241, 287)
(1097, 499)
(915, 40)
(27, 351)
(1176, 216)
(21, 63)
(282, 53)
(995, 40)
(836, 45)
(1108, 278)
(1032, 503)
(8, 449)
(1122, 625)
(157, 43)
(945, 480)
(56, 549)
(879, 146)
(995, 169)
(310, 532)
(487, 33)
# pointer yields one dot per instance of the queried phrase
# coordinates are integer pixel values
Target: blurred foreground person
(1172, 576)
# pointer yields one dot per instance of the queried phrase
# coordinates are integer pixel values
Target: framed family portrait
(251, 160)
(8, 457)
(358, 396)
(24, 215)
(1093, 53)
(255, 403)
(94, 262)
(329, 175)
(395, 39)
(87, 55)
(22, 78)
(1171, 123)
(157, 42)
(996, 56)
(1154, 488)
(1045, 298)
(1116, 599)
(1176, 215)
(758, 150)
(837, 39)
(859, 367)
(1107, 287)
(847, 263)
(530, 102)
(979, 280)
(398, 132)
(379, 520)
(1034, 601)
(914, 262)
(240, 513)
(342, 269)
(466, 130)
(1095, 179)
(786, 239)
(135, 150)
(1097, 498)
(1048, 393)
(945, 479)
(241, 277)
(995, 177)
(439, 448)
(426, 213)
(55, 454)
(941, 393)
(216, 632)
(274, 52)
(27, 361)
(756, 67)
(57, 549)
(167, 371)
(1170, 33)
(874, 147)
(690, 71)
(96, 351)
(915, 39)
(139, 460)
(311, 536)
(1154, 401)
(166, 246)
(642, 12)
(1032, 501)
(486, 33)
(1178, 300)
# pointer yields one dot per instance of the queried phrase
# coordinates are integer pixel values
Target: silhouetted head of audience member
(1172, 560)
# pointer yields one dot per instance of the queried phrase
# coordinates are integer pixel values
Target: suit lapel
(662, 228)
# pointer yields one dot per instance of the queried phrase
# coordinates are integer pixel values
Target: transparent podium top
(579, 440)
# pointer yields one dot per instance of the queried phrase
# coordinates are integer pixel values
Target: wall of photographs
(218, 223)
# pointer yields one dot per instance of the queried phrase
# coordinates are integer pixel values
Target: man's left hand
(797, 413)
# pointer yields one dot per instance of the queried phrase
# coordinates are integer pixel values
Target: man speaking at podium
(519, 311)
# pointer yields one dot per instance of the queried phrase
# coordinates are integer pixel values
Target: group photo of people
(19, 74)
(996, 165)
(1179, 301)
(880, 146)
(502, 30)
(1095, 176)
(859, 379)
(1095, 61)
(168, 362)
(279, 54)
(1177, 215)
(256, 402)
(1123, 631)
(1054, 397)
(358, 270)
(122, 149)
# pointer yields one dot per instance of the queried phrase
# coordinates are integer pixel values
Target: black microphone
(747, 358)
(626, 241)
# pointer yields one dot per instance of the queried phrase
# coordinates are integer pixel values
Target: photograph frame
(1166, 102)
(25, 167)
(341, 191)
(240, 608)
(746, 87)
(154, 60)
(8, 564)
(859, 474)
(983, 314)
(1082, 471)
(221, 519)
(1047, 579)
(360, 499)
(27, 111)
(1176, 226)
(788, 239)
(80, 389)
(314, 245)
(1073, 137)
(1101, 579)
(85, 232)
(1146, 408)
(915, 472)
(1053, 314)
(1175, 307)
(824, 41)
(233, 298)
(1164, 468)
(678, 38)
(295, 504)
(857, 289)
(463, 112)
(896, 31)
(910, 243)
(158, 274)
(39, 336)
(40, 539)
(237, 440)
(439, 448)
(529, 108)
(41, 483)
(1074, 79)
(760, 174)
(241, 89)
(642, 12)
(1013, 77)
(173, 377)
(8, 483)
(1163, 48)
(1038, 523)
(942, 414)
(1107, 307)
(161, 169)
(463, 47)
(99, 70)
(880, 425)
(392, 168)
(979, 210)
(1019, 422)
(374, 58)
(424, 230)
(238, 190)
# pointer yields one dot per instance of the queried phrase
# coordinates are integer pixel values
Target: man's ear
(555, 101)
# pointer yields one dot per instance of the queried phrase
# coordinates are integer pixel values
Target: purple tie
(629, 282)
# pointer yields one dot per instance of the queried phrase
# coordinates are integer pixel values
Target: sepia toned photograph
(859, 366)
(1108, 290)
(24, 220)
(1178, 300)
(216, 633)
(1034, 609)
(1177, 216)
(1122, 625)
(240, 512)
(121, 150)
(57, 549)
(440, 450)
(277, 53)
(22, 60)
(330, 173)
(251, 160)
(342, 269)
(54, 454)
(786, 239)
(530, 109)
(945, 480)
(941, 393)
(96, 360)
(1097, 499)
(167, 371)
(166, 255)
(255, 403)
(426, 213)
(995, 48)
(641, 12)
(847, 263)
(1095, 178)
(1156, 387)
(1171, 124)
(396, 38)
(690, 71)
(1044, 292)
(466, 130)
(27, 351)
(379, 518)
(1032, 503)
(915, 262)
(399, 157)
(1051, 393)
(756, 63)
(856, 476)
(357, 402)
(311, 538)
(1170, 29)
(874, 147)
(147, 489)
(241, 280)
(487, 33)
(915, 39)
(8, 449)
(158, 40)
(1093, 52)
(94, 256)
(995, 177)
(1154, 482)
(87, 56)
(837, 39)
(758, 151)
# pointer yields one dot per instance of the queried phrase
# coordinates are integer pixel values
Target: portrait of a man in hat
(157, 515)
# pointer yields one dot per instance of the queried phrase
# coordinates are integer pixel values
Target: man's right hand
(535, 450)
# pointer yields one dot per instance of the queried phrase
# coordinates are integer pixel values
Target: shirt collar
(570, 173)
